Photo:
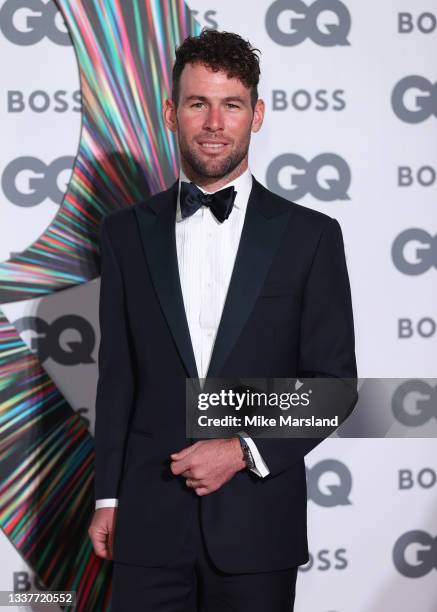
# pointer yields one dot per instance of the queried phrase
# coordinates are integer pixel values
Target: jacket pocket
(278, 290)
(141, 432)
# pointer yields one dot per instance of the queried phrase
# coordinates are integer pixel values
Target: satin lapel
(157, 229)
(264, 225)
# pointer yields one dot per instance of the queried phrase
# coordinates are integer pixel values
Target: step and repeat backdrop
(351, 130)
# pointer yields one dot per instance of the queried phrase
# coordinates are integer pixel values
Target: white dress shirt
(206, 251)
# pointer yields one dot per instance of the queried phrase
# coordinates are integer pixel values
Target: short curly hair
(220, 51)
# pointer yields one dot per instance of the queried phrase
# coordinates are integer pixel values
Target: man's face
(213, 120)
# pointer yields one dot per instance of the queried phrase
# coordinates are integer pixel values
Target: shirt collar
(242, 184)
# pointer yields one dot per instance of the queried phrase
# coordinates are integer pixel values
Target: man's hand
(101, 531)
(208, 464)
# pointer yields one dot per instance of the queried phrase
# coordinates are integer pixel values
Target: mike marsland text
(263, 421)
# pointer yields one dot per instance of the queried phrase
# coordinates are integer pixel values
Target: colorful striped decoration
(47, 470)
(125, 52)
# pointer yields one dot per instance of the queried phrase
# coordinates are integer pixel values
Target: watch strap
(248, 457)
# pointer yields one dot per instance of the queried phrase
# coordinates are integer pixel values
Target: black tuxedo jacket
(287, 313)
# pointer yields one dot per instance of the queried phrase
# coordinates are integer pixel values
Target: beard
(213, 167)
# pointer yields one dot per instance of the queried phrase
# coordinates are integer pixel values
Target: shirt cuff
(106, 503)
(260, 468)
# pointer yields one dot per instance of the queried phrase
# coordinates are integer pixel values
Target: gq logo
(414, 251)
(414, 99)
(27, 22)
(415, 554)
(291, 176)
(290, 22)
(424, 408)
(333, 494)
(84, 415)
(47, 339)
(41, 180)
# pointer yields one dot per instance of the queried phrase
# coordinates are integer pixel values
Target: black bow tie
(220, 202)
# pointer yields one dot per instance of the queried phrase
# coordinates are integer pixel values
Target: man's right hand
(101, 531)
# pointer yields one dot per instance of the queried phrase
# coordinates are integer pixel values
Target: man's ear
(169, 115)
(258, 115)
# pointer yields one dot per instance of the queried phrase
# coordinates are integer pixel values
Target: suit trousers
(192, 583)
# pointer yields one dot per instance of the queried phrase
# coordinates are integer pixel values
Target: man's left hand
(208, 464)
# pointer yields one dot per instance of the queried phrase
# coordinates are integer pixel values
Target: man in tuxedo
(214, 277)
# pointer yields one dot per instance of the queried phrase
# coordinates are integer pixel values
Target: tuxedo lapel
(156, 222)
(263, 228)
(264, 224)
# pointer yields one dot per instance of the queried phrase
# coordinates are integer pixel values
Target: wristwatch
(250, 463)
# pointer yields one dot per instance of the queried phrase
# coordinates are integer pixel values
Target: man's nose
(214, 119)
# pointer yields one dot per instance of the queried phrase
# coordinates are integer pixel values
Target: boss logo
(302, 100)
(414, 251)
(414, 403)
(291, 176)
(206, 18)
(23, 582)
(27, 22)
(28, 181)
(425, 327)
(424, 22)
(425, 478)
(326, 559)
(40, 101)
(415, 554)
(414, 99)
(325, 22)
(329, 495)
(424, 176)
(48, 339)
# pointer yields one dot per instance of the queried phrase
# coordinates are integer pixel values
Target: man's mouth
(212, 146)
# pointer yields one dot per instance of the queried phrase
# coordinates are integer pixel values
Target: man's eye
(233, 105)
(197, 104)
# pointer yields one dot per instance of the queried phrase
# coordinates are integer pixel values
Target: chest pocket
(274, 289)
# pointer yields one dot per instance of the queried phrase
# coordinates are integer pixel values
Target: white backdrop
(331, 93)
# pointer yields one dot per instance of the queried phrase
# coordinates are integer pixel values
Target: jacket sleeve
(327, 341)
(115, 385)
